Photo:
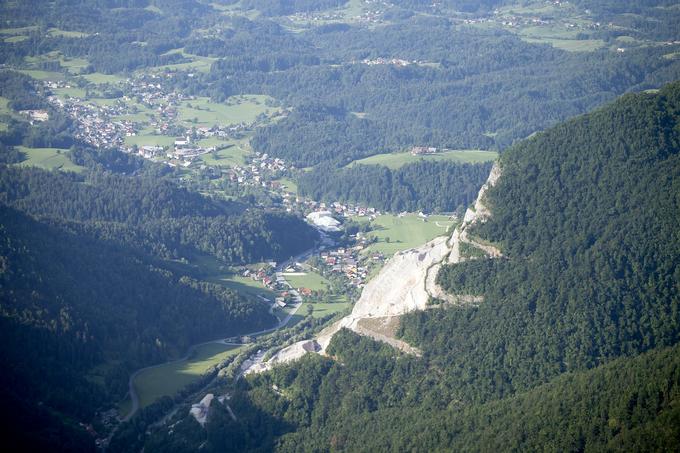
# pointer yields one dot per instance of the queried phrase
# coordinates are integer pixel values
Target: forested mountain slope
(427, 186)
(154, 213)
(87, 294)
(586, 216)
(575, 344)
(70, 302)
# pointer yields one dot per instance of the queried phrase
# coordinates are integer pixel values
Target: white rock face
(400, 286)
(200, 410)
(407, 281)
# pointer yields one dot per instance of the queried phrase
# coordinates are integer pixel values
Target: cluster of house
(230, 131)
(266, 275)
(97, 124)
(259, 172)
(102, 125)
(350, 261)
(317, 17)
(35, 115)
(347, 210)
(515, 20)
(373, 15)
(276, 281)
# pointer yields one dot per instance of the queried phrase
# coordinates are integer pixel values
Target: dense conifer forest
(414, 187)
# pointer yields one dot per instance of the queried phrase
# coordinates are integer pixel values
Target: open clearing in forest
(405, 232)
(169, 378)
(48, 158)
(397, 160)
(237, 109)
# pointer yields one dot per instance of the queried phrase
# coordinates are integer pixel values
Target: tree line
(420, 186)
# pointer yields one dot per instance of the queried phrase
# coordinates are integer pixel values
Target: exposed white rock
(200, 410)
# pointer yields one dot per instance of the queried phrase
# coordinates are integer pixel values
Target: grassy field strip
(397, 160)
(203, 112)
(310, 280)
(99, 78)
(48, 158)
(244, 285)
(169, 378)
(234, 154)
(396, 233)
(289, 185)
(321, 310)
(41, 75)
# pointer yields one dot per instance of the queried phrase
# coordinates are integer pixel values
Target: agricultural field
(563, 30)
(310, 280)
(397, 160)
(197, 63)
(72, 65)
(53, 32)
(42, 75)
(73, 92)
(98, 78)
(560, 38)
(48, 158)
(212, 270)
(4, 110)
(321, 310)
(18, 31)
(396, 233)
(169, 378)
(15, 39)
(243, 285)
(4, 106)
(237, 109)
(232, 154)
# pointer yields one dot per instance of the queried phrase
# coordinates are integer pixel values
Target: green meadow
(244, 285)
(397, 160)
(321, 310)
(233, 152)
(169, 378)
(289, 185)
(202, 112)
(48, 158)
(310, 280)
(396, 233)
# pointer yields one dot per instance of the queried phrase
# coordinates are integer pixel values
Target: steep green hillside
(154, 213)
(418, 186)
(627, 405)
(77, 314)
(87, 294)
(586, 216)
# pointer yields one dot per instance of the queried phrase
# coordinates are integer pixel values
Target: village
(103, 125)
(146, 106)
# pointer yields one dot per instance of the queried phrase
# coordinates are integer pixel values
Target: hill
(94, 286)
(79, 313)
